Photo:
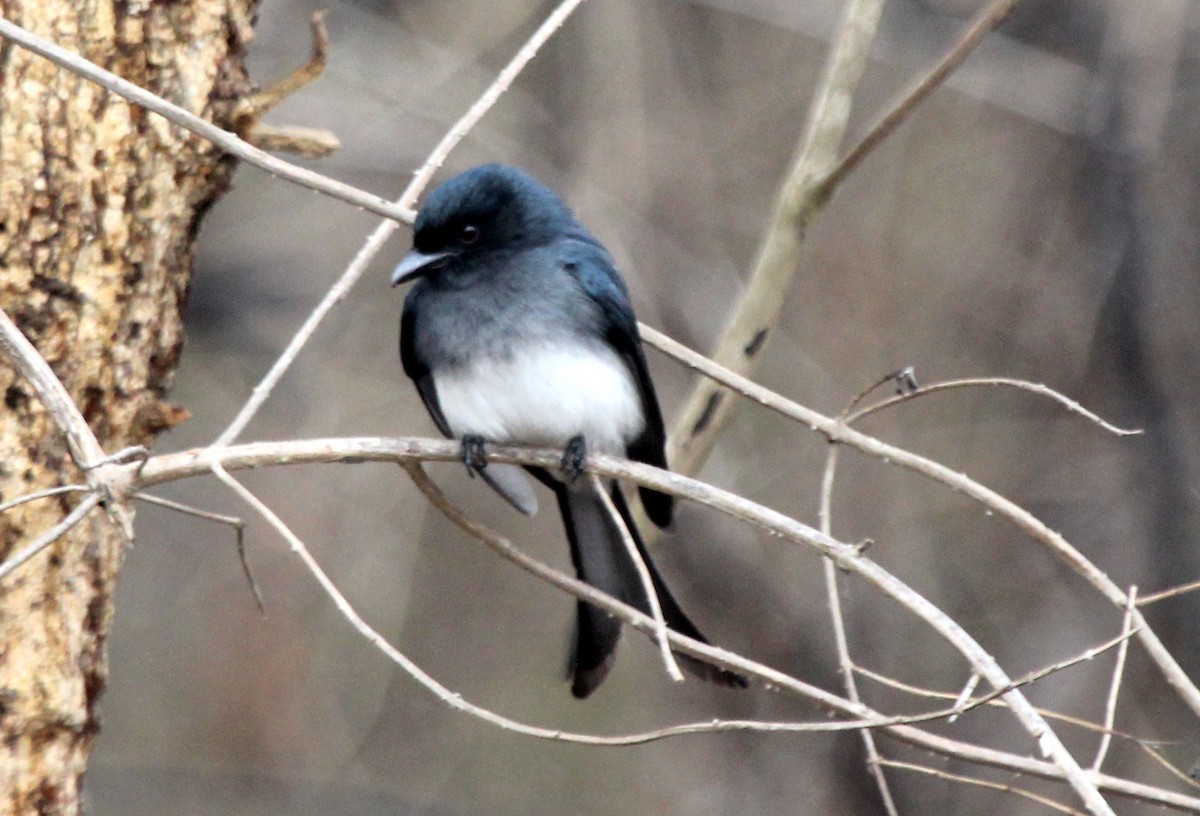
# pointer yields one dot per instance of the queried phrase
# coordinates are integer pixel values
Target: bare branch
(847, 556)
(26, 359)
(983, 23)
(1155, 597)
(983, 783)
(187, 120)
(44, 494)
(50, 536)
(1110, 706)
(282, 363)
(1021, 518)
(841, 642)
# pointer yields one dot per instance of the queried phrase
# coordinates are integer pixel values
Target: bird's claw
(573, 459)
(472, 454)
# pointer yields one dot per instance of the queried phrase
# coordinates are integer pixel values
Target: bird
(518, 329)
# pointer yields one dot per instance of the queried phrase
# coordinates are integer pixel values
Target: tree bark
(100, 204)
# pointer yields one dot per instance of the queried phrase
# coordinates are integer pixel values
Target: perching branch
(846, 556)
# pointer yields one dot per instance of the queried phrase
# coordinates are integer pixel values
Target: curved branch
(846, 556)
(1021, 518)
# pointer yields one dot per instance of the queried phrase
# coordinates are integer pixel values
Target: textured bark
(100, 203)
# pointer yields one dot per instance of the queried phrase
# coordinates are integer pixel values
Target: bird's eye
(469, 234)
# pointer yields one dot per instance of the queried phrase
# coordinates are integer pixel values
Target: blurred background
(1036, 218)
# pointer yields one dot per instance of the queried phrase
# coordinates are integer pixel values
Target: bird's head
(484, 210)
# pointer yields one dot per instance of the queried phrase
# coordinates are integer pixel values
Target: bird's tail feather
(601, 560)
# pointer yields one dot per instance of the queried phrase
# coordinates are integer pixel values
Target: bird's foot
(472, 454)
(573, 459)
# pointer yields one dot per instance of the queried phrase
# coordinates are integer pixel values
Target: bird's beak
(415, 264)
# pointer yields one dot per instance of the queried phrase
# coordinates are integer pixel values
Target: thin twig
(1110, 706)
(968, 689)
(239, 531)
(44, 494)
(899, 685)
(381, 233)
(1155, 597)
(1006, 382)
(983, 783)
(1168, 766)
(639, 563)
(50, 536)
(841, 642)
(489, 98)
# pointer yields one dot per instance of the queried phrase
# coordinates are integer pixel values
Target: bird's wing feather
(592, 267)
(416, 368)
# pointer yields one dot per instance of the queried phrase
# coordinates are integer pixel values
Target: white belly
(544, 396)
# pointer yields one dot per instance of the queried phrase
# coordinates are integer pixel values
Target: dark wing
(590, 264)
(507, 480)
(416, 368)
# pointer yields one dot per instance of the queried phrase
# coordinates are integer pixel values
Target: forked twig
(239, 529)
(984, 22)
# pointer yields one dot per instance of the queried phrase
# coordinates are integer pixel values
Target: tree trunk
(100, 204)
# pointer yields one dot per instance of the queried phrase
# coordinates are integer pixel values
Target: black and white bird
(519, 330)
